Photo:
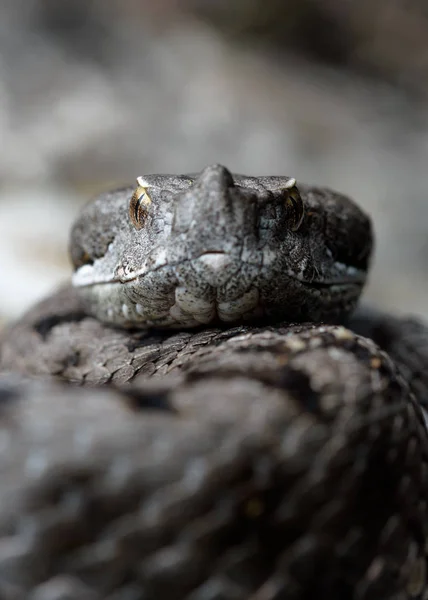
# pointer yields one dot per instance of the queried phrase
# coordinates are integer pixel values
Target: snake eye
(139, 206)
(294, 204)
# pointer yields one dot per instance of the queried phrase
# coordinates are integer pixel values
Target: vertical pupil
(137, 208)
(296, 208)
(137, 212)
(295, 203)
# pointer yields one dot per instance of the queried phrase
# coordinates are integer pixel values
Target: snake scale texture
(203, 415)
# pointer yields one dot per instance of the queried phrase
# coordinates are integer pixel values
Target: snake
(205, 411)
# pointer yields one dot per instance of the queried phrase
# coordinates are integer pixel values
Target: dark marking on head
(96, 227)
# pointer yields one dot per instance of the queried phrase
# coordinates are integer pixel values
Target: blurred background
(94, 93)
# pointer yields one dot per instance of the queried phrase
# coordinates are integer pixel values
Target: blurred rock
(33, 244)
(385, 38)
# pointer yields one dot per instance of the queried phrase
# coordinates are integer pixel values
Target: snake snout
(213, 217)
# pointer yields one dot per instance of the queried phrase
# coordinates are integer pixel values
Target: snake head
(181, 250)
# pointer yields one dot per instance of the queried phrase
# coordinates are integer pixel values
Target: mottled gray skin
(247, 463)
(217, 247)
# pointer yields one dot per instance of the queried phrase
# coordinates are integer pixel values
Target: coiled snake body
(210, 449)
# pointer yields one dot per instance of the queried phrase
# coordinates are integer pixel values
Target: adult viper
(251, 459)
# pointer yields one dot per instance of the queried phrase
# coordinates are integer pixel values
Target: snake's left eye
(294, 204)
(139, 207)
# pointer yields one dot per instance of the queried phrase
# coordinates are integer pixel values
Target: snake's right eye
(294, 204)
(139, 207)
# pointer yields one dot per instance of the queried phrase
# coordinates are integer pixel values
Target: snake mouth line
(358, 279)
(84, 276)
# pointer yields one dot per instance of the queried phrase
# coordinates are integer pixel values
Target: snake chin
(203, 311)
(134, 306)
(182, 308)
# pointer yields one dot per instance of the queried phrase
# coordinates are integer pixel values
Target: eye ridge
(139, 207)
